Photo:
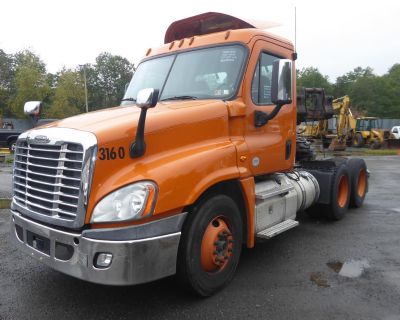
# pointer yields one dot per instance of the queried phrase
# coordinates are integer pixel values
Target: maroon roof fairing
(205, 23)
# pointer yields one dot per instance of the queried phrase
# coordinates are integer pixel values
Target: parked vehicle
(198, 160)
(395, 132)
(8, 135)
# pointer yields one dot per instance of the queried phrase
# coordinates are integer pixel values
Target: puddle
(335, 265)
(349, 269)
(319, 280)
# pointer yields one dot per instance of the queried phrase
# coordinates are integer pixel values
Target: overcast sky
(334, 36)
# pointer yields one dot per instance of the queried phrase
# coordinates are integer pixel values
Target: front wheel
(210, 245)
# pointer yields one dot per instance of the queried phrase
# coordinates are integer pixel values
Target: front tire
(210, 245)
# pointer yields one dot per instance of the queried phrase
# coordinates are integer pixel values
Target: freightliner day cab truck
(199, 160)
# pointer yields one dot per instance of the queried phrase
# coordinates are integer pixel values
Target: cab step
(277, 229)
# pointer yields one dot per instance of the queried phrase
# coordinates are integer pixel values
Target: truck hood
(120, 123)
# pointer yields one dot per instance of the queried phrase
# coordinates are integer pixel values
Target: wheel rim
(216, 245)
(362, 183)
(343, 191)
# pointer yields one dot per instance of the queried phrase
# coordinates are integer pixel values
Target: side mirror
(147, 98)
(281, 86)
(33, 108)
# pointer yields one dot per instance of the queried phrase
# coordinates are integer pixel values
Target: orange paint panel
(248, 188)
(192, 145)
(188, 150)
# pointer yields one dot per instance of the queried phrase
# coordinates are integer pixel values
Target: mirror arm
(261, 118)
(138, 147)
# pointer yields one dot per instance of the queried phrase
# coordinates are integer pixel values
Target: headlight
(132, 202)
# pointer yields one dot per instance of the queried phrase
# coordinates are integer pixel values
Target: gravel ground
(321, 270)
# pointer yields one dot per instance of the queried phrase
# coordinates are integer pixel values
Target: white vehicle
(396, 132)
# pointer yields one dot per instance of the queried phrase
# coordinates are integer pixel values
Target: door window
(261, 84)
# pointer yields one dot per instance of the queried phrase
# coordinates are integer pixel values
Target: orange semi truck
(199, 159)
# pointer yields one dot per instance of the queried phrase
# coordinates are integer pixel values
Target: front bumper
(134, 261)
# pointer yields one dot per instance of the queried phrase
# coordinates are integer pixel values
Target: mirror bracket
(261, 118)
(146, 98)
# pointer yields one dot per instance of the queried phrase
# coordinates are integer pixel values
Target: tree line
(370, 94)
(23, 77)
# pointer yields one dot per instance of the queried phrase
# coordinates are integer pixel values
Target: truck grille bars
(47, 178)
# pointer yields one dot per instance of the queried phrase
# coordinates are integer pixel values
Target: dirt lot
(321, 270)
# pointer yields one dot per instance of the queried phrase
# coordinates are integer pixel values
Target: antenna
(295, 30)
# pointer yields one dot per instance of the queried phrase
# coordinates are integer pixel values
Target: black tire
(11, 145)
(358, 180)
(190, 266)
(340, 195)
(358, 141)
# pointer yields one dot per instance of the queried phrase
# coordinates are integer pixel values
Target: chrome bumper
(134, 261)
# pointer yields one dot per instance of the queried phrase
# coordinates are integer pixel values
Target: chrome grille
(53, 171)
(47, 178)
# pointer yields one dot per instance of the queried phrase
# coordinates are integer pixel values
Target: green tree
(69, 95)
(311, 77)
(344, 83)
(392, 85)
(6, 78)
(107, 80)
(30, 81)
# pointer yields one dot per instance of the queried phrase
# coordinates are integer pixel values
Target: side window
(261, 84)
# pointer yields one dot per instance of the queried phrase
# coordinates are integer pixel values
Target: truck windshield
(209, 73)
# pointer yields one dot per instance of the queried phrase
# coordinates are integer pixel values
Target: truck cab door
(271, 147)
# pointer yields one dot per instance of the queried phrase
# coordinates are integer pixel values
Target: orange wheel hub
(362, 183)
(343, 191)
(216, 246)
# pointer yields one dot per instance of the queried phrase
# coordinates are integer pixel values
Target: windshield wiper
(129, 99)
(180, 98)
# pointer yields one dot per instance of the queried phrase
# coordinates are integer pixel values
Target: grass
(382, 152)
(5, 203)
(10, 160)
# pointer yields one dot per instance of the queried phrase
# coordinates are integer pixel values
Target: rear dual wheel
(341, 190)
(340, 195)
(349, 188)
(210, 246)
(359, 181)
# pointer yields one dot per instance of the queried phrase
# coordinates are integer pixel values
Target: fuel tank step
(277, 229)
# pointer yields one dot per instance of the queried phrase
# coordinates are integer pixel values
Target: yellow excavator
(345, 124)
(318, 108)
(314, 108)
(347, 131)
